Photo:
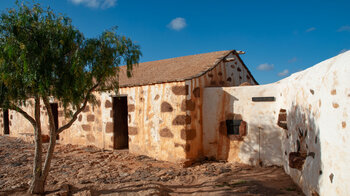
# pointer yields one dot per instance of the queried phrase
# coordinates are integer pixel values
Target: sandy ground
(80, 170)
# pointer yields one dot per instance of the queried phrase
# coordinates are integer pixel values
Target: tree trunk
(39, 175)
(37, 185)
(53, 135)
(49, 156)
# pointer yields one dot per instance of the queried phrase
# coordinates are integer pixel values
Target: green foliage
(43, 55)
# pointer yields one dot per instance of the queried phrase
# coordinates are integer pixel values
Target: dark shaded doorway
(5, 119)
(120, 123)
(54, 108)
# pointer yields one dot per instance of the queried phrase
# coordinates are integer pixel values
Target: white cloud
(103, 4)
(292, 60)
(177, 24)
(108, 3)
(344, 28)
(265, 67)
(283, 73)
(310, 29)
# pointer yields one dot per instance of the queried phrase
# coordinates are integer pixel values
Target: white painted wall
(317, 101)
(261, 118)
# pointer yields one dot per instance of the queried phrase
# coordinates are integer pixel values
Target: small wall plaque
(263, 99)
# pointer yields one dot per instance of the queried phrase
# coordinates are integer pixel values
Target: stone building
(208, 105)
(158, 112)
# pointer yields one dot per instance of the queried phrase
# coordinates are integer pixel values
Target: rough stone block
(108, 104)
(109, 127)
(188, 134)
(131, 108)
(90, 118)
(297, 160)
(196, 92)
(180, 90)
(166, 133)
(282, 119)
(86, 127)
(132, 130)
(166, 107)
(188, 105)
(182, 120)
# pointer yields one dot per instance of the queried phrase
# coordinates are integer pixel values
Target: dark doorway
(6, 122)
(54, 108)
(120, 123)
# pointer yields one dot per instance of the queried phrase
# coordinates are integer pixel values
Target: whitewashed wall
(261, 118)
(317, 102)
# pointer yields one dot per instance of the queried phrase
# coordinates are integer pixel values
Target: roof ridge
(192, 55)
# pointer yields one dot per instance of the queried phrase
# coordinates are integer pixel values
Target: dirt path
(89, 171)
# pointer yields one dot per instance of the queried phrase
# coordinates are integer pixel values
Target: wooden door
(6, 122)
(120, 122)
(54, 108)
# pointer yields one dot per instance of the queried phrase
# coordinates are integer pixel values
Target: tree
(42, 57)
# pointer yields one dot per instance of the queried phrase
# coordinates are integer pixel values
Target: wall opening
(54, 108)
(6, 122)
(233, 127)
(120, 122)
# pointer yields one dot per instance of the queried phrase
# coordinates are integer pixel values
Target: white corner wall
(263, 140)
(317, 101)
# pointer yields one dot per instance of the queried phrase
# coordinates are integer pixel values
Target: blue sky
(279, 37)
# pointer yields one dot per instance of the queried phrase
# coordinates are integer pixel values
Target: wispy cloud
(310, 29)
(101, 4)
(177, 24)
(265, 67)
(344, 28)
(283, 73)
(292, 60)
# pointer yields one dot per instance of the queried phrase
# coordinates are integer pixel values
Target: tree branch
(25, 114)
(75, 115)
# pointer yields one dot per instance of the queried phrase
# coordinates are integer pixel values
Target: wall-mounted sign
(263, 99)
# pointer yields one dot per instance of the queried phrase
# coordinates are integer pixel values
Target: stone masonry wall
(157, 120)
(88, 128)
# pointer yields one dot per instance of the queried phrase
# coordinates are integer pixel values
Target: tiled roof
(171, 70)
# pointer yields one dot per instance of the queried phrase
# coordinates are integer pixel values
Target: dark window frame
(232, 127)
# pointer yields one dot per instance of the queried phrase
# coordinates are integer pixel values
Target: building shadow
(302, 148)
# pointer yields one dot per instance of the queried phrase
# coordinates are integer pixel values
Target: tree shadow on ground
(239, 187)
(243, 180)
